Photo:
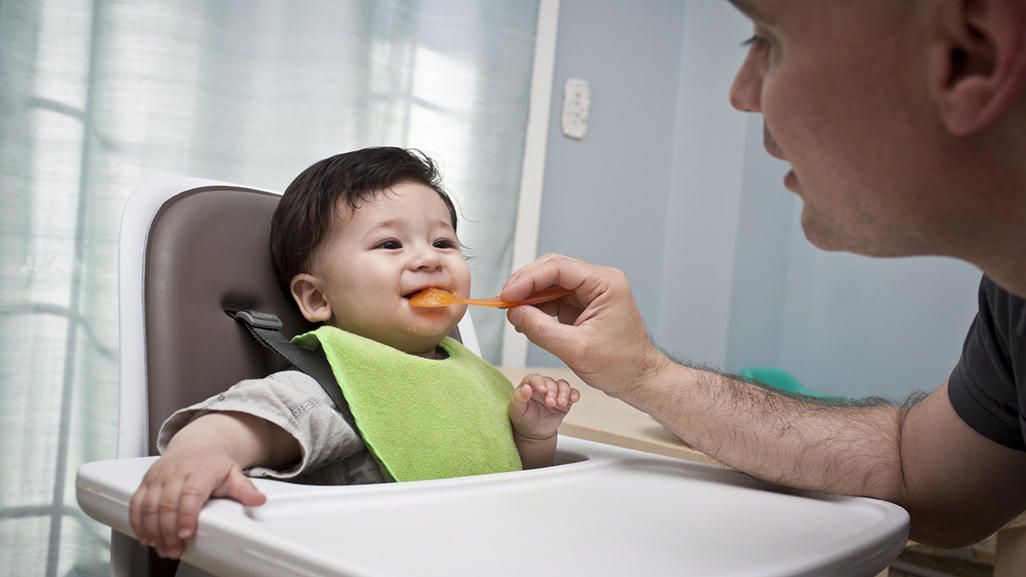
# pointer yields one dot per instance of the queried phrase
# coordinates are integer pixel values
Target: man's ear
(977, 61)
(306, 290)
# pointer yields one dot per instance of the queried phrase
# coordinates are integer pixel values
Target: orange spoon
(436, 297)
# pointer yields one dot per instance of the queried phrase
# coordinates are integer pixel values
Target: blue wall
(673, 186)
(605, 196)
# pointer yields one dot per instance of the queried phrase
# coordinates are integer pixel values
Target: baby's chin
(417, 341)
(426, 348)
(432, 322)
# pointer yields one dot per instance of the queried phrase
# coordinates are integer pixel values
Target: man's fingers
(524, 272)
(598, 330)
(539, 327)
(551, 270)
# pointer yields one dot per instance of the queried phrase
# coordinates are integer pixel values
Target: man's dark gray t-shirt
(988, 386)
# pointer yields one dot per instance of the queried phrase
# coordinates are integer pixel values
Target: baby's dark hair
(307, 209)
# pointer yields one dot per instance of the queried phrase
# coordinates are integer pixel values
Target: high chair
(191, 248)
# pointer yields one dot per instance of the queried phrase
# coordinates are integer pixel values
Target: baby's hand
(164, 509)
(539, 405)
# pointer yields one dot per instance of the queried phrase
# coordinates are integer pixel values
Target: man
(904, 122)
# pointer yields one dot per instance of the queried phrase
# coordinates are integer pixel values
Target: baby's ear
(306, 291)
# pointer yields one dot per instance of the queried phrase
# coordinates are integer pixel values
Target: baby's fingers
(195, 493)
(147, 515)
(544, 389)
(533, 380)
(550, 393)
(135, 514)
(199, 487)
(566, 394)
(240, 488)
(521, 397)
(168, 543)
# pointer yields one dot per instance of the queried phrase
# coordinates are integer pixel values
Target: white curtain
(96, 94)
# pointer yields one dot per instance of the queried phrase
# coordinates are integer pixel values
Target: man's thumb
(541, 329)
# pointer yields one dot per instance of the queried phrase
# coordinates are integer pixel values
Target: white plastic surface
(619, 512)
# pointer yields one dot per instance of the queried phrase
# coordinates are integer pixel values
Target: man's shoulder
(987, 387)
(1007, 309)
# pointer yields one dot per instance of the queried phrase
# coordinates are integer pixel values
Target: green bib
(422, 418)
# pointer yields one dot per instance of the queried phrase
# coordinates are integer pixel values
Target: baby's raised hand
(539, 404)
(164, 509)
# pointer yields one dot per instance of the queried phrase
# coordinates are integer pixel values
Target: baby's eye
(390, 245)
(444, 243)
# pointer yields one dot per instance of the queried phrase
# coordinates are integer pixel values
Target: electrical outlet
(576, 102)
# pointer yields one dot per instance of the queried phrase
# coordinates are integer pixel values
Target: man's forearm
(852, 450)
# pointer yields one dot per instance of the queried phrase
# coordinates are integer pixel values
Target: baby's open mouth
(422, 289)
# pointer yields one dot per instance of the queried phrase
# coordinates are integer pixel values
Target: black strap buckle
(258, 319)
(266, 329)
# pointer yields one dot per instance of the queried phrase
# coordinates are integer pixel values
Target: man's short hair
(308, 209)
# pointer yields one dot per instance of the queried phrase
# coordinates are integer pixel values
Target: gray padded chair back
(208, 250)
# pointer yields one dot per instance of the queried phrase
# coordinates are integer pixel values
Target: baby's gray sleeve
(332, 453)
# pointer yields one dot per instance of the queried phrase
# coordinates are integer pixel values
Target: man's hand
(597, 331)
(164, 509)
(539, 405)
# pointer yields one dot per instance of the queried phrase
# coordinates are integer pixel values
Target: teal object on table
(780, 380)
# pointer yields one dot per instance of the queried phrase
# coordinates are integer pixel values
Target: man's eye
(390, 245)
(756, 42)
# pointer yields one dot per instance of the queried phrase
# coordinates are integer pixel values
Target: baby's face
(376, 257)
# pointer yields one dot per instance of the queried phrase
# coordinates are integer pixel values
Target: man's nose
(746, 90)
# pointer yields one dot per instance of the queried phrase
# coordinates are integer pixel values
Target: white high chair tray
(613, 512)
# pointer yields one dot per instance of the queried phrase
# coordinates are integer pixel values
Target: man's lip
(770, 143)
(772, 148)
(791, 181)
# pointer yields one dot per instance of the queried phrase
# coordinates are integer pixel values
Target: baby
(354, 236)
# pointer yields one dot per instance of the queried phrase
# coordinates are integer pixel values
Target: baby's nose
(426, 258)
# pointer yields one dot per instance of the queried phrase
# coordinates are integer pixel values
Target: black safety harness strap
(266, 329)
